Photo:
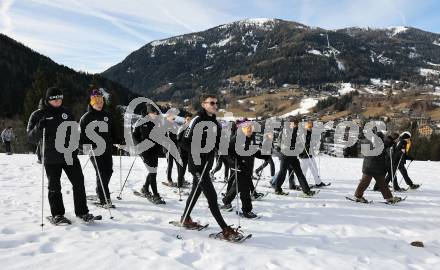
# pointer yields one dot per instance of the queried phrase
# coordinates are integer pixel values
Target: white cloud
(5, 20)
(104, 32)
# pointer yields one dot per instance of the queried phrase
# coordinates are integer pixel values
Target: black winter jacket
(49, 118)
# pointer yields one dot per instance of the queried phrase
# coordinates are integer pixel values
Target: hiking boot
(226, 206)
(145, 192)
(231, 234)
(157, 199)
(86, 217)
(257, 195)
(188, 223)
(414, 186)
(249, 214)
(399, 189)
(320, 185)
(394, 200)
(361, 199)
(310, 193)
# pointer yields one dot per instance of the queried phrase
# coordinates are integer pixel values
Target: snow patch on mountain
(397, 30)
(345, 89)
(428, 72)
(304, 107)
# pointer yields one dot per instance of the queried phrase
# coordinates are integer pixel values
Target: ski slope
(325, 232)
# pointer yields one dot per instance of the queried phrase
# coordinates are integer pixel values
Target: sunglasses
(212, 103)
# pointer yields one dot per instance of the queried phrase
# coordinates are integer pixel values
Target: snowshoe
(104, 205)
(231, 235)
(59, 220)
(309, 194)
(400, 189)
(414, 186)
(156, 199)
(280, 192)
(226, 207)
(169, 184)
(189, 225)
(258, 196)
(358, 200)
(249, 215)
(147, 194)
(320, 185)
(394, 200)
(89, 218)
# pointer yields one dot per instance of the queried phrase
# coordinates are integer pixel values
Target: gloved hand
(42, 124)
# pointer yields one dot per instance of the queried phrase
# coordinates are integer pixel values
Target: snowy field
(325, 232)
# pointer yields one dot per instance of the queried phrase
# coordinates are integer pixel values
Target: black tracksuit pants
(208, 190)
(222, 160)
(285, 162)
(76, 178)
(245, 187)
(268, 161)
(103, 165)
(182, 169)
(151, 160)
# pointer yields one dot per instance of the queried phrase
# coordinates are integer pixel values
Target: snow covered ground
(325, 232)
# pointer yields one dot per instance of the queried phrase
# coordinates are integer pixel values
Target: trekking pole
(42, 178)
(102, 184)
(406, 169)
(225, 184)
(120, 169)
(392, 168)
(88, 159)
(126, 178)
(237, 194)
(185, 216)
(397, 167)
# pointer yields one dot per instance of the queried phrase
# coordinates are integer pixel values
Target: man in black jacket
(376, 167)
(201, 180)
(47, 120)
(151, 155)
(241, 169)
(286, 161)
(104, 162)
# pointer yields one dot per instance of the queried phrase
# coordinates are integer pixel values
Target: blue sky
(93, 35)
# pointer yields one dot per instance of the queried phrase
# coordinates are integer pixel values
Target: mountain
(25, 74)
(277, 52)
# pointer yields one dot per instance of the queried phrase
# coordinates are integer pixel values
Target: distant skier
(48, 119)
(7, 137)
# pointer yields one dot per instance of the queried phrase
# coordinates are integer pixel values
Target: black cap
(150, 108)
(54, 93)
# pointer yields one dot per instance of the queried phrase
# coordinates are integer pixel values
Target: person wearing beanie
(103, 163)
(241, 170)
(150, 157)
(398, 154)
(47, 120)
(376, 167)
